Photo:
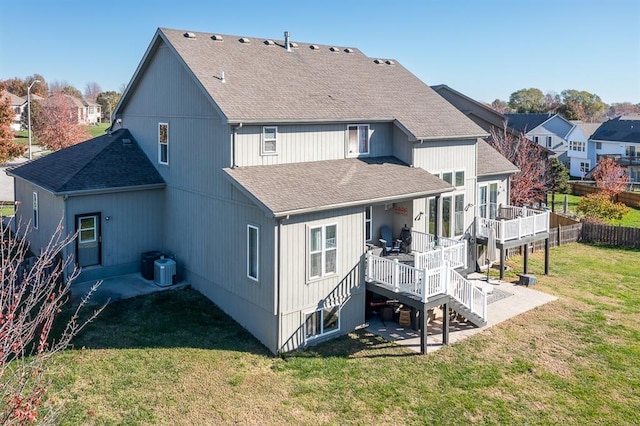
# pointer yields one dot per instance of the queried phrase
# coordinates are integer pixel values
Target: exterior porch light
(29, 113)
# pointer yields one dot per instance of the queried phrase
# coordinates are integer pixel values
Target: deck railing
(471, 296)
(514, 223)
(426, 283)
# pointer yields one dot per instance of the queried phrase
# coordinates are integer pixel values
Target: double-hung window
(358, 140)
(252, 252)
(269, 140)
(322, 322)
(459, 178)
(163, 143)
(36, 215)
(578, 146)
(585, 166)
(458, 220)
(322, 250)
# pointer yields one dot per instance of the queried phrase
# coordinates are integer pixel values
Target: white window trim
(368, 223)
(588, 164)
(160, 144)
(358, 154)
(322, 333)
(94, 228)
(323, 250)
(249, 228)
(36, 210)
(549, 141)
(263, 151)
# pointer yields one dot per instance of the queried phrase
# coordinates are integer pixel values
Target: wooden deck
(515, 223)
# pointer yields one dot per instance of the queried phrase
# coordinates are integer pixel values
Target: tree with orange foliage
(610, 177)
(8, 148)
(56, 125)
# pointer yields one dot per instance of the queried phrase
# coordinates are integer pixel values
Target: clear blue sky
(486, 49)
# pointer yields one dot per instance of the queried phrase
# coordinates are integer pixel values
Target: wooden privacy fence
(587, 233)
(613, 235)
(631, 199)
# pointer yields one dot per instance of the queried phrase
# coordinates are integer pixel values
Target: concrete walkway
(511, 300)
(118, 288)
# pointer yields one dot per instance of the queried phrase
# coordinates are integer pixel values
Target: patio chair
(389, 244)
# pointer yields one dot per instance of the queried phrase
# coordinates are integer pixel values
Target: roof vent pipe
(287, 45)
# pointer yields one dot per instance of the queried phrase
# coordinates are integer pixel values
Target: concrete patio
(505, 300)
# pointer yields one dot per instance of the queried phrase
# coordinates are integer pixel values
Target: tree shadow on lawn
(186, 319)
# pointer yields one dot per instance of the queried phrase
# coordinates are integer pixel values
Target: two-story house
(551, 131)
(268, 169)
(18, 105)
(580, 162)
(618, 138)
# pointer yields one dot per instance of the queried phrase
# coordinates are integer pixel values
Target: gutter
(109, 190)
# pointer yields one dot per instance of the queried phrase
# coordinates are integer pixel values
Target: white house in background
(550, 131)
(93, 112)
(579, 148)
(18, 105)
(618, 138)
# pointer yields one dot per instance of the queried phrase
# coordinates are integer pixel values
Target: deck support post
(502, 259)
(546, 256)
(445, 324)
(423, 318)
(526, 258)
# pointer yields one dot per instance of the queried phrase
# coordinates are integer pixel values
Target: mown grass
(631, 219)
(175, 358)
(98, 129)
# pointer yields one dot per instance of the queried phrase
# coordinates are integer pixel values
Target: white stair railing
(468, 294)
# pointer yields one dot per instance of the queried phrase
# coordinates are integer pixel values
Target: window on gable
(322, 322)
(269, 140)
(163, 143)
(36, 214)
(598, 145)
(549, 139)
(358, 140)
(536, 139)
(322, 251)
(252, 252)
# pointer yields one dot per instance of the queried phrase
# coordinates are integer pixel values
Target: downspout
(233, 144)
(278, 274)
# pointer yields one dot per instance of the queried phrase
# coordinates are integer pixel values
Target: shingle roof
(321, 185)
(491, 162)
(266, 83)
(100, 163)
(526, 122)
(620, 129)
(587, 128)
(15, 100)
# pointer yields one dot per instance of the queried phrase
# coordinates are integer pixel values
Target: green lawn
(98, 130)
(174, 358)
(631, 219)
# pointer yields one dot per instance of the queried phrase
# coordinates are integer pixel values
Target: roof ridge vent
(348, 50)
(216, 37)
(189, 35)
(314, 47)
(245, 40)
(269, 42)
(389, 62)
(333, 49)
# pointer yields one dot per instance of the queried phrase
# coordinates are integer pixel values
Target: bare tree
(531, 183)
(91, 91)
(56, 125)
(32, 294)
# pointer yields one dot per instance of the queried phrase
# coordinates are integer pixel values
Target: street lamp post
(29, 112)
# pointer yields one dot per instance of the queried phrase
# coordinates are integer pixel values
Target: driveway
(6, 182)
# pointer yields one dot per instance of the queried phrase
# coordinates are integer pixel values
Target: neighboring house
(93, 112)
(579, 147)
(86, 112)
(18, 105)
(484, 116)
(278, 163)
(551, 131)
(618, 138)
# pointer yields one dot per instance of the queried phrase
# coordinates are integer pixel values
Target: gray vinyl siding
(299, 296)
(51, 211)
(135, 226)
(402, 148)
(444, 156)
(310, 142)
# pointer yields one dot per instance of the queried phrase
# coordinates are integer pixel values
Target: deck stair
(429, 281)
